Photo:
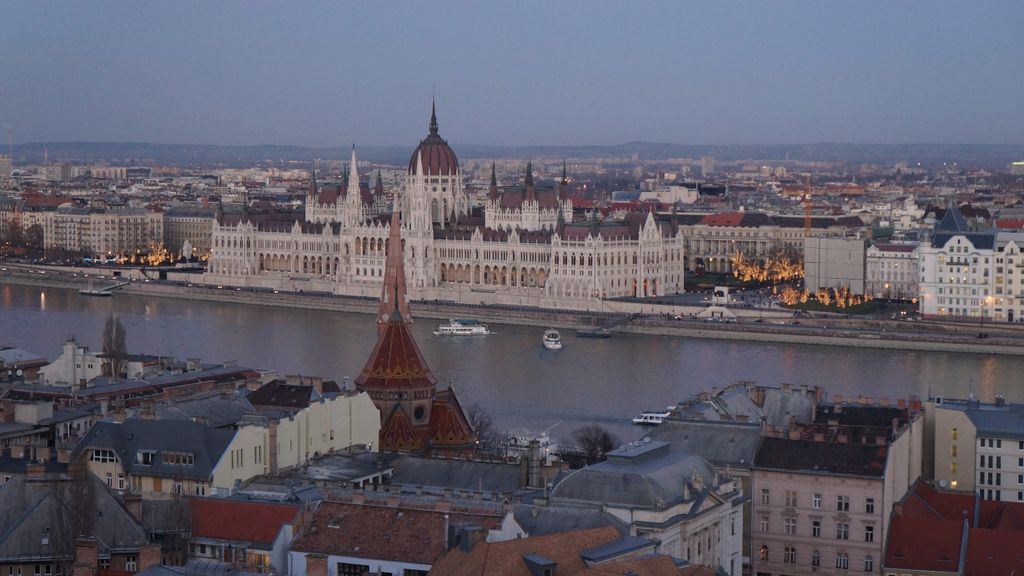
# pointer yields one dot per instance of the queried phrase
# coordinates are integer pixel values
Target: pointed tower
(393, 298)
(563, 184)
(352, 211)
(531, 193)
(493, 192)
(378, 186)
(415, 417)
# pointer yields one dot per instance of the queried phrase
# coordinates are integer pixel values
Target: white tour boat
(651, 418)
(552, 340)
(462, 328)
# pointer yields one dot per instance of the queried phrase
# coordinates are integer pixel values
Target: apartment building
(102, 232)
(977, 447)
(822, 492)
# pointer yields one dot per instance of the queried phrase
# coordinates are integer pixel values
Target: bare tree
(594, 442)
(115, 349)
(483, 428)
(74, 510)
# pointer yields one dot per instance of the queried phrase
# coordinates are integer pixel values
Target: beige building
(711, 240)
(189, 224)
(822, 493)
(102, 232)
(165, 457)
(834, 262)
(976, 447)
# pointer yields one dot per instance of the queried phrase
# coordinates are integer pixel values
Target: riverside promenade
(756, 325)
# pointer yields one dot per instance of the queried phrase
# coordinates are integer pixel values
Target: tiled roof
(383, 532)
(566, 550)
(932, 529)
(239, 521)
(396, 361)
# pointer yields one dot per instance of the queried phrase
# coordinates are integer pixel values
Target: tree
(483, 427)
(594, 442)
(33, 239)
(115, 349)
(74, 511)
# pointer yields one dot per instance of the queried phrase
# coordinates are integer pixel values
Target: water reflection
(508, 373)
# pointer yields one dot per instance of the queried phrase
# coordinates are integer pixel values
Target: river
(508, 373)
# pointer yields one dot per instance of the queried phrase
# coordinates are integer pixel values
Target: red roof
(396, 361)
(723, 219)
(239, 521)
(928, 530)
(438, 157)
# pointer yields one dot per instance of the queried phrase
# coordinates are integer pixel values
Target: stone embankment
(855, 333)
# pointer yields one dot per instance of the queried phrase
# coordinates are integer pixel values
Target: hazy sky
(332, 73)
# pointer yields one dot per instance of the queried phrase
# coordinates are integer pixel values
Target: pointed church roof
(396, 360)
(531, 193)
(378, 186)
(448, 424)
(397, 434)
(492, 193)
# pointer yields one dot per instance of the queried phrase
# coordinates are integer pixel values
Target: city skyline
(327, 75)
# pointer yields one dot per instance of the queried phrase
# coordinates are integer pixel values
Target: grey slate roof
(216, 410)
(647, 476)
(458, 474)
(721, 443)
(552, 519)
(126, 439)
(995, 421)
(30, 506)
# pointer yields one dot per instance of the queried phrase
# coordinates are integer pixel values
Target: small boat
(594, 333)
(651, 418)
(552, 340)
(462, 328)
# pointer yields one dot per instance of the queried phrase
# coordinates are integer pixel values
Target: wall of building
(834, 263)
(245, 457)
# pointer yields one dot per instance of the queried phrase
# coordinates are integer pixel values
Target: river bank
(852, 333)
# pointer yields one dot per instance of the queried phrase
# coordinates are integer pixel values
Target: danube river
(508, 373)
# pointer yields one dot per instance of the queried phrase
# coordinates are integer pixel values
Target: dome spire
(433, 117)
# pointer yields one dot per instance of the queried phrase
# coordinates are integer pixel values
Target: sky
(513, 73)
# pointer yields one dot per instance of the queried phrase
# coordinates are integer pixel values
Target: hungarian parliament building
(524, 249)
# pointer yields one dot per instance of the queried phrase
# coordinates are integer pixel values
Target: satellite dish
(942, 483)
(19, 372)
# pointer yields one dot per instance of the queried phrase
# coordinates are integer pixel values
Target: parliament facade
(525, 249)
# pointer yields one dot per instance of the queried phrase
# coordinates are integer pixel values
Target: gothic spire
(433, 117)
(378, 187)
(531, 194)
(353, 178)
(312, 179)
(563, 184)
(393, 297)
(493, 192)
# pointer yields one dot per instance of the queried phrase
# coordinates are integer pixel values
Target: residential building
(834, 262)
(956, 268)
(822, 492)
(251, 536)
(700, 521)
(51, 523)
(102, 233)
(76, 366)
(976, 447)
(934, 532)
(191, 224)
(164, 457)
(891, 271)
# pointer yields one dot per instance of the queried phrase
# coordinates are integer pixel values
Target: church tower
(415, 416)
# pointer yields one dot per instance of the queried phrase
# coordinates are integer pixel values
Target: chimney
(133, 503)
(470, 536)
(86, 561)
(149, 556)
(316, 565)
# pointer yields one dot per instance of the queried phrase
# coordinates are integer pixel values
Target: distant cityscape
(119, 463)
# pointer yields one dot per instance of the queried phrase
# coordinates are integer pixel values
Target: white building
(102, 232)
(524, 251)
(891, 271)
(834, 263)
(956, 270)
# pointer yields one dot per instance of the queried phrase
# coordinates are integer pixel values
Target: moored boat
(651, 418)
(594, 333)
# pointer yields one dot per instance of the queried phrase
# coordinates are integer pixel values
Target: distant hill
(210, 155)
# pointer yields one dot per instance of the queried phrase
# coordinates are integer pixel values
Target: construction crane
(807, 207)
